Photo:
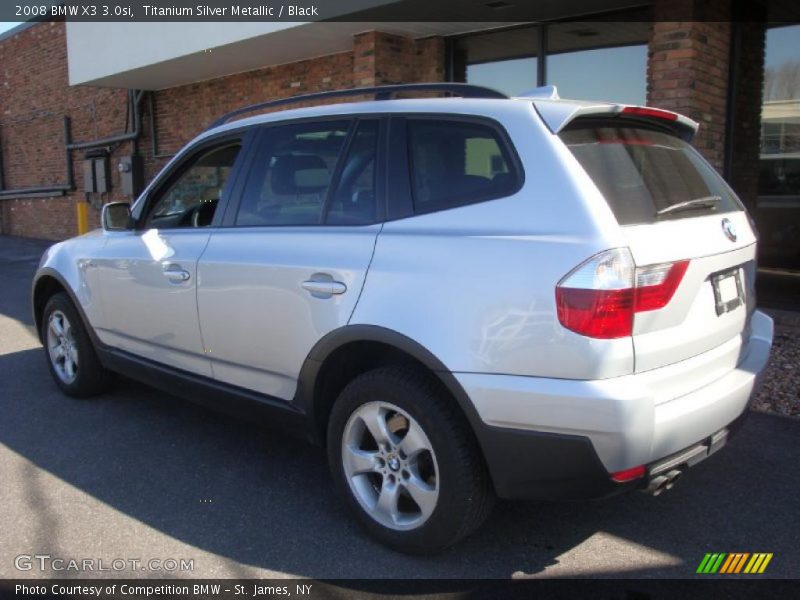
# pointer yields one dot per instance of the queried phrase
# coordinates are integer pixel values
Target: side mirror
(116, 216)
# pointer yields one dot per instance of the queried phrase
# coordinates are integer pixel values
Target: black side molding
(239, 402)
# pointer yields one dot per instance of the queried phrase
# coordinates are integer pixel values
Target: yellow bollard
(82, 210)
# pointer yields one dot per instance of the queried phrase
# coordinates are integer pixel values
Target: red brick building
(712, 69)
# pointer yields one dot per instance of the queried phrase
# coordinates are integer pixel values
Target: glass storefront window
(779, 173)
(512, 77)
(503, 60)
(599, 60)
(589, 61)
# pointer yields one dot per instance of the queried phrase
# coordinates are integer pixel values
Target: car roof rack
(381, 92)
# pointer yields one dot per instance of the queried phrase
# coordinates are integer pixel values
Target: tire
(66, 342)
(419, 501)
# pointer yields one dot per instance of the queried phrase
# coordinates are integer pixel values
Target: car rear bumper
(557, 438)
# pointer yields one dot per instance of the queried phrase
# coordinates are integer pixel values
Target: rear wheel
(71, 357)
(405, 462)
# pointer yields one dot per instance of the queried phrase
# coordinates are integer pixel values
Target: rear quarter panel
(476, 285)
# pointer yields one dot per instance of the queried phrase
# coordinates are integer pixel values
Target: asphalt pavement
(139, 475)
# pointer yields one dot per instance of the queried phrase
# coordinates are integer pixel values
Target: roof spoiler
(557, 115)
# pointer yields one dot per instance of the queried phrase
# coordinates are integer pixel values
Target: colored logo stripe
(758, 563)
(711, 563)
(734, 562)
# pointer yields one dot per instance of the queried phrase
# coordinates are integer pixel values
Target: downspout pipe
(69, 146)
(123, 137)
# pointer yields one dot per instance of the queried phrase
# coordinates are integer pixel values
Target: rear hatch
(681, 221)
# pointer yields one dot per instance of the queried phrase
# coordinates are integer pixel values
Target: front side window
(191, 199)
(291, 175)
(454, 163)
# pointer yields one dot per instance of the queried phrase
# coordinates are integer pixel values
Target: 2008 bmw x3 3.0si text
(462, 298)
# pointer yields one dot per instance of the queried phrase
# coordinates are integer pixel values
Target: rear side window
(648, 175)
(454, 163)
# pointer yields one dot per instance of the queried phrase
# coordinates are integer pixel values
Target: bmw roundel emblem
(729, 229)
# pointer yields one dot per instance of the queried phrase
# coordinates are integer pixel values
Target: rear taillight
(655, 285)
(600, 297)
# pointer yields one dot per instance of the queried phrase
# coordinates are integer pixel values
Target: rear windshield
(648, 175)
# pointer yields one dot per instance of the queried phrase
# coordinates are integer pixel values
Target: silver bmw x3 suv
(460, 297)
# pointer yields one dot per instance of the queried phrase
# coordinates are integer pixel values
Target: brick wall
(687, 72)
(382, 58)
(183, 112)
(35, 96)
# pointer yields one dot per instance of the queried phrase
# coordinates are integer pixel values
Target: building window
(779, 173)
(503, 60)
(604, 60)
(599, 60)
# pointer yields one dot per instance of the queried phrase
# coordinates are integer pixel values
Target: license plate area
(728, 290)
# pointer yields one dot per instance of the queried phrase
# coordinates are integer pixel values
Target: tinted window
(291, 174)
(191, 199)
(641, 172)
(354, 202)
(457, 163)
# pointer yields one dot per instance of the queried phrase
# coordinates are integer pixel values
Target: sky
(783, 43)
(6, 26)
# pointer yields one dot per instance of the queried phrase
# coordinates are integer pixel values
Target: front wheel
(405, 461)
(71, 357)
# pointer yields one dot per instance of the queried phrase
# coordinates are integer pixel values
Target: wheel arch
(46, 284)
(354, 349)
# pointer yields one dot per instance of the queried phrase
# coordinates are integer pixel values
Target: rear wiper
(704, 202)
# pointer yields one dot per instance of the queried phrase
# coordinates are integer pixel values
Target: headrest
(299, 174)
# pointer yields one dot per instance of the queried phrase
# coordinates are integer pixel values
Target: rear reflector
(600, 297)
(628, 474)
(643, 111)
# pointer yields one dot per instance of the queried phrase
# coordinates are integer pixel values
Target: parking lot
(139, 475)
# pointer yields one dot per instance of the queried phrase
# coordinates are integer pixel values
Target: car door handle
(175, 273)
(322, 288)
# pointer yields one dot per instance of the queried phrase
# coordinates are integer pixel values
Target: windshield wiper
(704, 202)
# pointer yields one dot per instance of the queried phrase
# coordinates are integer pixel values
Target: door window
(292, 173)
(354, 200)
(192, 198)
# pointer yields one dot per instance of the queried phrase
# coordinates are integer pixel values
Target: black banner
(309, 589)
(484, 11)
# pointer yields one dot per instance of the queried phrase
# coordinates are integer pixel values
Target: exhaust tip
(657, 485)
(662, 483)
(672, 478)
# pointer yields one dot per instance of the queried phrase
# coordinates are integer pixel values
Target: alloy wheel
(390, 465)
(61, 347)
